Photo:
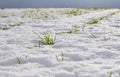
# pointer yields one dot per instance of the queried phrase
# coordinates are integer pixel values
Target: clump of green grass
(72, 12)
(11, 25)
(3, 16)
(60, 59)
(16, 24)
(96, 20)
(103, 17)
(20, 61)
(73, 29)
(93, 21)
(46, 38)
(4, 28)
(76, 11)
(111, 14)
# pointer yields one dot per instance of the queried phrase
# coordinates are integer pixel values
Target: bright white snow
(93, 52)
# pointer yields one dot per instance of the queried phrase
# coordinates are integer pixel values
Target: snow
(93, 52)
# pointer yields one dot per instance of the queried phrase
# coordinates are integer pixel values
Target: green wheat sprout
(46, 38)
(62, 57)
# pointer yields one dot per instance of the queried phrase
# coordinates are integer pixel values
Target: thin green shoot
(57, 58)
(110, 74)
(18, 60)
(83, 27)
(36, 46)
(73, 29)
(62, 54)
(93, 35)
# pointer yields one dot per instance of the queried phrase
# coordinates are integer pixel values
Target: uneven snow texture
(93, 52)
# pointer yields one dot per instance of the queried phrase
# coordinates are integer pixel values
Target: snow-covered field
(86, 44)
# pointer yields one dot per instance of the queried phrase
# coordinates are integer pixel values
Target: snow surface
(93, 52)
